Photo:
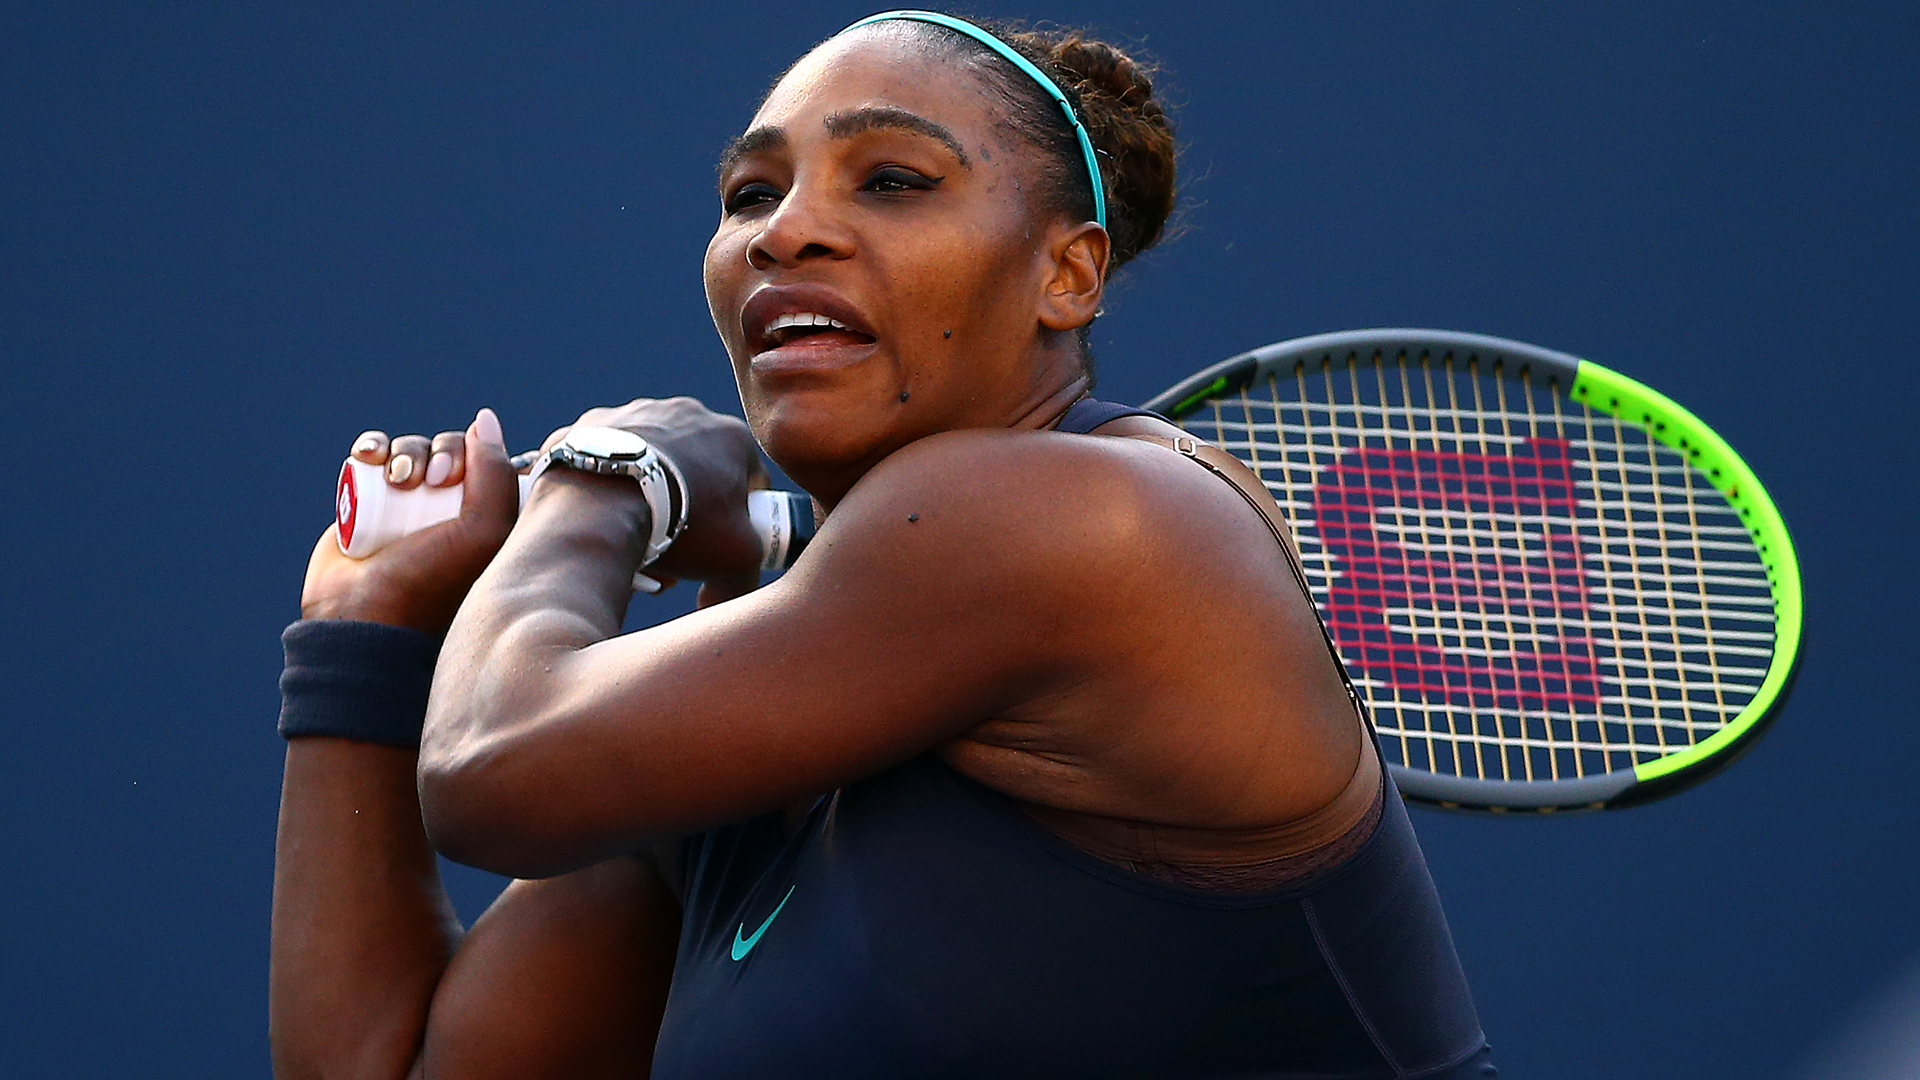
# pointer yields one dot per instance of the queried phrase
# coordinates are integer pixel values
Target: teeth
(803, 318)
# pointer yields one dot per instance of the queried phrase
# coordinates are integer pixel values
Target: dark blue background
(235, 234)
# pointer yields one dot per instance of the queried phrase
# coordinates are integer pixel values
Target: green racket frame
(1630, 403)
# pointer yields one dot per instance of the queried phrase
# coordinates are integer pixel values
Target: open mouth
(802, 316)
(810, 328)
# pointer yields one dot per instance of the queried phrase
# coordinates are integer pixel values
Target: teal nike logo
(743, 946)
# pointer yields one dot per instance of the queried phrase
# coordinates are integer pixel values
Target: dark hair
(1113, 93)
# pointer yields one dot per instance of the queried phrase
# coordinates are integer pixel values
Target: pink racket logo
(1458, 577)
(346, 505)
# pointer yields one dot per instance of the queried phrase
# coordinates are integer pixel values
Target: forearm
(362, 930)
(561, 583)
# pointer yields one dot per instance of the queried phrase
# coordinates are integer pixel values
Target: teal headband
(1007, 52)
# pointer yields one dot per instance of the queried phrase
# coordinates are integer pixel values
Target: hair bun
(1130, 129)
(1099, 68)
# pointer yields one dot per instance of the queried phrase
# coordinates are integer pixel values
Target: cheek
(989, 288)
(971, 282)
(722, 272)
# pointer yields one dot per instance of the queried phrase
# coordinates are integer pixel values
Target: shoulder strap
(1243, 480)
(1088, 413)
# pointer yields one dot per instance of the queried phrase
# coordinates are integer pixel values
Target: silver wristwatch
(615, 452)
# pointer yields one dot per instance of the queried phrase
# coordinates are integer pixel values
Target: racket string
(1520, 587)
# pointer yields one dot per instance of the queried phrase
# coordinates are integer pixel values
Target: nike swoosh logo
(743, 946)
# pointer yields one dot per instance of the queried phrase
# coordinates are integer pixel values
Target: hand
(721, 463)
(419, 581)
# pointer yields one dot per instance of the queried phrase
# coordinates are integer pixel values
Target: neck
(1039, 410)
(1045, 412)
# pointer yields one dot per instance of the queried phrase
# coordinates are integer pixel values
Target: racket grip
(370, 514)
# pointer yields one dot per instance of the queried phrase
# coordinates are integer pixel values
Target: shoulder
(1044, 506)
(1009, 477)
(1011, 467)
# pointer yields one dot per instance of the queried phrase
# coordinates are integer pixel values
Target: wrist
(607, 513)
(373, 606)
(356, 680)
(617, 451)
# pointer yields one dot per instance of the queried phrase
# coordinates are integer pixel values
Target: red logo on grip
(346, 504)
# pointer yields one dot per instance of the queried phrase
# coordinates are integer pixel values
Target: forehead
(878, 66)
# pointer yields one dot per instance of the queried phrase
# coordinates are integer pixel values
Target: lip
(769, 302)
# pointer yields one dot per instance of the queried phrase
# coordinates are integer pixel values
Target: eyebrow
(756, 141)
(845, 125)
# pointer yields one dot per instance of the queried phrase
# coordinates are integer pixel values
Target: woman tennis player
(1036, 764)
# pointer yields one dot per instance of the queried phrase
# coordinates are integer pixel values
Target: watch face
(604, 442)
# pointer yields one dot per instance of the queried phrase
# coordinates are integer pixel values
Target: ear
(1077, 275)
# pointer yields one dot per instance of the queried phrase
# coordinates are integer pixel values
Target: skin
(947, 605)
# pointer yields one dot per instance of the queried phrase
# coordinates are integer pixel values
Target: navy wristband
(356, 680)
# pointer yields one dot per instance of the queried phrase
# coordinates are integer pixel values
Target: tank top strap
(1252, 489)
(1089, 413)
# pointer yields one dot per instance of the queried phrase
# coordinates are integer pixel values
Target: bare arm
(945, 588)
(371, 975)
(564, 978)
(361, 927)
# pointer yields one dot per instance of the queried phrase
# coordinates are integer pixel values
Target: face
(881, 271)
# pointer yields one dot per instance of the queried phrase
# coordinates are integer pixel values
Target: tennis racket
(1553, 587)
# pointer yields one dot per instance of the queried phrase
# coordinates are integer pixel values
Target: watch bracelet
(651, 471)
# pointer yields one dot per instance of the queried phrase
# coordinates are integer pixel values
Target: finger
(371, 447)
(407, 461)
(491, 500)
(447, 464)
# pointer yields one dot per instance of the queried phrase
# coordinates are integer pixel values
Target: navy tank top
(919, 924)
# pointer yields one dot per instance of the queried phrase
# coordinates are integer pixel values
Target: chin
(817, 433)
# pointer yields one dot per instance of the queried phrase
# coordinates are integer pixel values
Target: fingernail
(487, 426)
(439, 467)
(399, 469)
(367, 445)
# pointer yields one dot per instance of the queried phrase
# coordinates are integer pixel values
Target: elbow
(477, 814)
(463, 818)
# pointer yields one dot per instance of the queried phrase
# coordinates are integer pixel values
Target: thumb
(491, 495)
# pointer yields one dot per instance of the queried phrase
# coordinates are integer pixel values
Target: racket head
(1554, 587)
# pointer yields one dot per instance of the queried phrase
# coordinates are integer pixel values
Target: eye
(898, 179)
(748, 196)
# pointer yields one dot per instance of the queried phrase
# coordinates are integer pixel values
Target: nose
(802, 228)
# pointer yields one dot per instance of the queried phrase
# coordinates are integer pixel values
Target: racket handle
(370, 514)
